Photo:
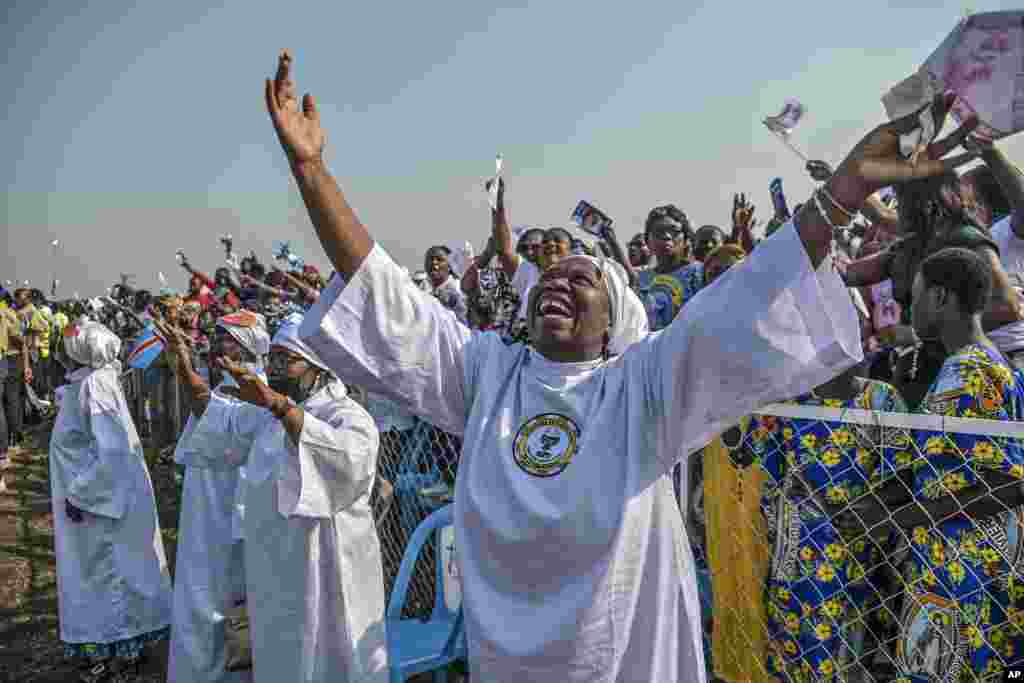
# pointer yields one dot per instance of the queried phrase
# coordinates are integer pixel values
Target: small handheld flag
(492, 186)
(783, 124)
(146, 348)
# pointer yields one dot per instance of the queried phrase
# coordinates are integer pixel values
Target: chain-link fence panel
(416, 468)
(859, 545)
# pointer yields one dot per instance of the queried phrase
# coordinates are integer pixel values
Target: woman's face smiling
(570, 311)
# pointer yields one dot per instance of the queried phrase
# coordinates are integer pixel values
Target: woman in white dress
(314, 584)
(114, 589)
(209, 576)
(573, 557)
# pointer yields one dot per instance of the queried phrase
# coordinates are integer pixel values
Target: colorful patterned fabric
(820, 585)
(496, 294)
(128, 649)
(664, 294)
(963, 612)
(737, 553)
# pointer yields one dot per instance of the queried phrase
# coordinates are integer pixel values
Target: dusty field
(30, 650)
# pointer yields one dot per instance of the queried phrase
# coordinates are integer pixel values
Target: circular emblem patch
(546, 444)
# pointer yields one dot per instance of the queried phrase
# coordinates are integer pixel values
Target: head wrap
(91, 344)
(628, 318)
(248, 329)
(288, 336)
(627, 313)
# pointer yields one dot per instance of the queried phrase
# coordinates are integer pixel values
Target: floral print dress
(821, 587)
(963, 611)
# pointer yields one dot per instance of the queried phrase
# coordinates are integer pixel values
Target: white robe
(209, 574)
(586, 574)
(112, 577)
(313, 570)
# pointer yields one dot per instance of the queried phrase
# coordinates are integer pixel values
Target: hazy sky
(134, 129)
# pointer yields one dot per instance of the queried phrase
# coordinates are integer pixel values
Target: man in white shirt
(573, 556)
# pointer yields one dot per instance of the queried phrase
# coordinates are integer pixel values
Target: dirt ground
(30, 650)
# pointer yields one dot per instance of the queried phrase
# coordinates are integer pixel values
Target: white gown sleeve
(335, 463)
(223, 437)
(769, 329)
(379, 333)
(96, 481)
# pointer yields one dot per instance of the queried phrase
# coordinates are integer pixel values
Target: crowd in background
(829, 603)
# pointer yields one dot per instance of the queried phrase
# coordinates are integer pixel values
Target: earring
(604, 348)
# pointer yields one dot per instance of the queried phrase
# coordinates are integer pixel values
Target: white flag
(786, 120)
(492, 192)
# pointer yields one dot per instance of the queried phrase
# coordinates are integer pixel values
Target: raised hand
(876, 162)
(176, 344)
(251, 388)
(299, 131)
(742, 212)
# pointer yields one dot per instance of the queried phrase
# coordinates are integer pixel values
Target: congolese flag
(146, 348)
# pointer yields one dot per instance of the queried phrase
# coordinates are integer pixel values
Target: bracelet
(824, 213)
(828, 195)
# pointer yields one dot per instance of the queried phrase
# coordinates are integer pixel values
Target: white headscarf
(288, 337)
(628, 318)
(248, 329)
(91, 344)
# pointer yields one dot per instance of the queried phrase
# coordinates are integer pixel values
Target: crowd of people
(595, 392)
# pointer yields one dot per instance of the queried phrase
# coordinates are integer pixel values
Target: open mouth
(554, 306)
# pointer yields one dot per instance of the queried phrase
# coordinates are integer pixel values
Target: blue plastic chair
(416, 646)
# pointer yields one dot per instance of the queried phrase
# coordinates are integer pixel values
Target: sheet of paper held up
(982, 61)
(492, 186)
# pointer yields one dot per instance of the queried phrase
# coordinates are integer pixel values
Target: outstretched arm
(796, 327)
(179, 356)
(875, 162)
(501, 233)
(307, 291)
(1010, 180)
(471, 278)
(262, 286)
(344, 238)
(369, 326)
(609, 238)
